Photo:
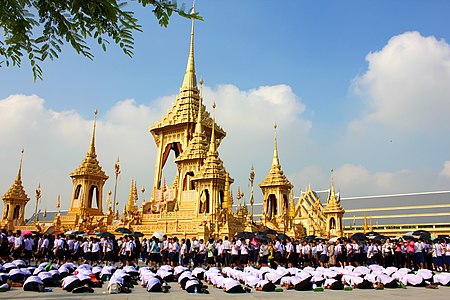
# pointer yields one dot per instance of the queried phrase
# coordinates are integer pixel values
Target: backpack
(114, 288)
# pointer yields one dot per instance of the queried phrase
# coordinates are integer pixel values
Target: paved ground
(140, 293)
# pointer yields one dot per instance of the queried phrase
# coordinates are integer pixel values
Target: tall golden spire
(199, 125)
(19, 172)
(276, 161)
(90, 164)
(276, 176)
(190, 80)
(213, 145)
(92, 145)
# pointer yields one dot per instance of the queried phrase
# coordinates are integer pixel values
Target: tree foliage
(37, 29)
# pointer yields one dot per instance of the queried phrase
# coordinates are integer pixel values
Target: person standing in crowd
(234, 253)
(201, 252)
(184, 254)
(18, 245)
(387, 251)
(154, 252)
(165, 250)
(244, 253)
(226, 251)
(264, 254)
(108, 251)
(28, 249)
(211, 252)
(219, 251)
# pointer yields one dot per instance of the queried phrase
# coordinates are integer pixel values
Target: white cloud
(406, 85)
(56, 142)
(446, 169)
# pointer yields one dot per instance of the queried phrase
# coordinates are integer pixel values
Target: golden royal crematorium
(198, 201)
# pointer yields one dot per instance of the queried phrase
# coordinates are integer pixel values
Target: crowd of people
(80, 263)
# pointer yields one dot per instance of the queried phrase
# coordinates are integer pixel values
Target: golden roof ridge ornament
(19, 172)
(213, 145)
(190, 79)
(275, 161)
(92, 145)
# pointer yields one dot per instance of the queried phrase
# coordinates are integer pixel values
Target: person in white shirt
(17, 246)
(226, 251)
(290, 254)
(28, 249)
(95, 251)
(244, 253)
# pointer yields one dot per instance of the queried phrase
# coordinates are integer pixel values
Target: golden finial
(92, 146)
(109, 193)
(276, 161)
(212, 146)
(143, 190)
(198, 126)
(19, 172)
(45, 213)
(190, 80)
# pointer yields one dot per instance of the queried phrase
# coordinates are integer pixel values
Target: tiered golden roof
(276, 176)
(333, 204)
(90, 164)
(198, 146)
(213, 165)
(132, 197)
(186, 106)
(16, 191)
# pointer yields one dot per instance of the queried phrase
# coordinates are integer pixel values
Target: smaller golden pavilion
(15, 201)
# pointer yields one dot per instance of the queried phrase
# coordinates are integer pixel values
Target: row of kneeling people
(84, 278)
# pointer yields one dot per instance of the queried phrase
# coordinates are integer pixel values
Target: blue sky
(312, 52)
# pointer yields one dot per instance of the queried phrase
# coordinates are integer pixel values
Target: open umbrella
(335, 239)
(282, 236)
(26, 232)
(107, 234)
(245, 235)
(380, 238)
(123, 230)
(372, 234)
(310, 237)
(137, 234)
(359, 236)
(267, 231)
(422, 234)
(158, 235)
(262, 237)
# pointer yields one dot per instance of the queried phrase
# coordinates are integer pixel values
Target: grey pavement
(139, 293)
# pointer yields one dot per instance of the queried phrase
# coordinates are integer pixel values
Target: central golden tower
(197, 202)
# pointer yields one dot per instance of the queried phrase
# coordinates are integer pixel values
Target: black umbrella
(372, 233)
(262, 237)
(422, 234)
(245, 235)
(267, 231)
(359, 236)
(107, 234)
(282, 236)
(123, 230)
(310, 237)
(137, 234)
(380, 238)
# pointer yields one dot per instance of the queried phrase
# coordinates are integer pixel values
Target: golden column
(117, 172)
